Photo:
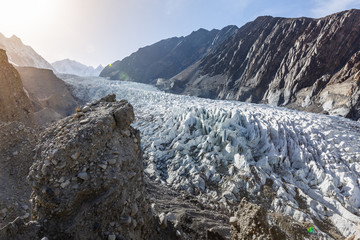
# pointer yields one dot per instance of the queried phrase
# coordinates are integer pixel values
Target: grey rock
(86, 120)
(126, 133)
(85, 109)
(111, 161)
(108, 98)
(163, 220)
(103, 166)
(112, 237)
(126, 220)
(134, 209)
(65, 184)
(124, 116)
(233, 220)
(75, 156)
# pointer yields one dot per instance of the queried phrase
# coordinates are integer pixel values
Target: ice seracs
(225, 150)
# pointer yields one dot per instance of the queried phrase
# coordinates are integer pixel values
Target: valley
(247, 132)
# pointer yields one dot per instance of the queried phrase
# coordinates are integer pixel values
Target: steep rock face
(166, 58)
(302, 63)
(49, 95)
(14, 102)
(68, 66)
(22, 55)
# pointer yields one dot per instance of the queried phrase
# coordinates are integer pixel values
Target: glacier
(222, 151)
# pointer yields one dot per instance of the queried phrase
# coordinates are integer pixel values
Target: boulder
(87, 179)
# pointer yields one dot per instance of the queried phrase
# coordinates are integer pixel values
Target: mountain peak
(16, 39)
(69, 66)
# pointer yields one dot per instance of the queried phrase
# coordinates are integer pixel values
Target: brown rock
(14, 102)
(49, 95)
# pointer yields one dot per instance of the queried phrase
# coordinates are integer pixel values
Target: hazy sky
(102, 31)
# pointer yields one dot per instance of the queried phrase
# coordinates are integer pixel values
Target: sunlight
(24, 15)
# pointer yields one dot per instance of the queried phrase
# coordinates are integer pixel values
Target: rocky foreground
(87, 179)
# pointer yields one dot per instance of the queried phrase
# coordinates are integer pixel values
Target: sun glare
(20, 15)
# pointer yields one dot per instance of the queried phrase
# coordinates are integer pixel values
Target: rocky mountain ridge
(166, 58)
(20, 54)
(301, 63)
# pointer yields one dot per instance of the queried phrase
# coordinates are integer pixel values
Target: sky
(97, 32)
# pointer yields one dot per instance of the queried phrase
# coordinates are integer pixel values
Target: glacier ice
(225, 149)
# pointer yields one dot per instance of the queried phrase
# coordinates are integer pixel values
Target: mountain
(301, 165)
(166, 58)
(20, 54)
(15, 104)
(68, 66)
(301, 63)
(49, 95)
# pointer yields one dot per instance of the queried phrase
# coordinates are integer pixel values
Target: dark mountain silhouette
(168, 57)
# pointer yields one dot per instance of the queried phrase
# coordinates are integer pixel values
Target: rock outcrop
(14, 102)
(49, 95)
(302, 63)
(87, 179)
(166, 58)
